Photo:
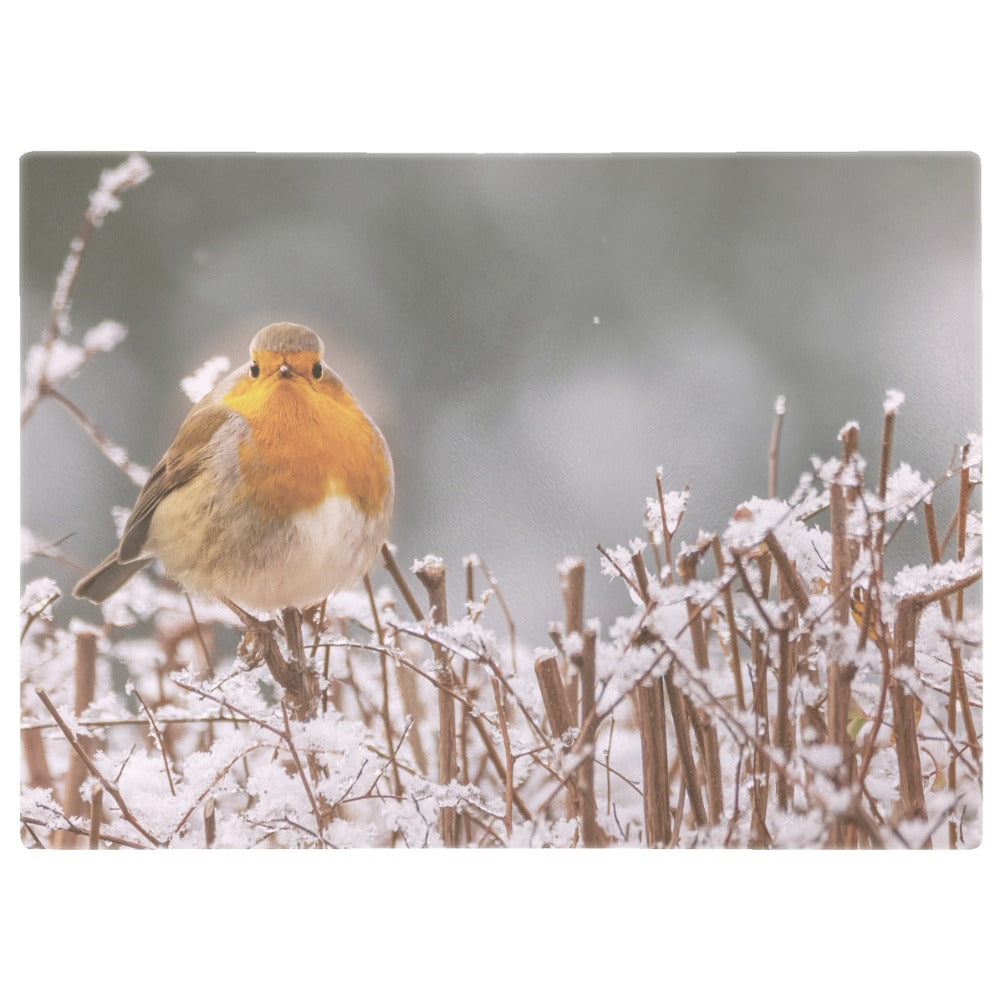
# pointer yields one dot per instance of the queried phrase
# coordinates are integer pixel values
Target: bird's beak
(285, 370)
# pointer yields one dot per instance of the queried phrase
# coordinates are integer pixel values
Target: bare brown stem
(733, 646)
(404, 588)
(508, 817)
(96, 801)
(390, 737)
(772, 451)
(84, 679)
(431, 574)
(158, 736)
(655, 770)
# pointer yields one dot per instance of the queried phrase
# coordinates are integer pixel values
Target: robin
(276, 492)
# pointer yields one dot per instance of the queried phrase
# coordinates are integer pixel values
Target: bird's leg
(258, 644)
(249, 622)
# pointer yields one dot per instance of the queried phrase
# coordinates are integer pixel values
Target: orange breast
(307, 441)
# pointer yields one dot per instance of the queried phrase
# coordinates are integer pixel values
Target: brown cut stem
(432, 575)
(84, 680)
(593, 836)
(209, 814)
(655, 770)
(96, 801)
(783, 729)
(571, 574)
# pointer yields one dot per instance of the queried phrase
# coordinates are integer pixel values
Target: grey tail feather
(99, 584)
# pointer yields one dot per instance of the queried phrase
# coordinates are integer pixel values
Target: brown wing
(179, 465)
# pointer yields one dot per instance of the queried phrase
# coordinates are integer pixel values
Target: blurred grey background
(533, 334)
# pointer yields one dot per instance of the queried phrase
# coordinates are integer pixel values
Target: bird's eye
(254, 370)
(317, 370)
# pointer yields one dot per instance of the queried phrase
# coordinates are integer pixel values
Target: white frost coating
(429, 562)
(974, 458)
(779, 406)
(106, 336)
(968, 632)
(912, 580)
(674, 505)
(822, 756)
(103, 200)
(568, 564)
(37, 594)
(894, 399)
(808, 547)
(904, 491)
(199, 384)
(851, 425)
(59, 361)
(30, 544)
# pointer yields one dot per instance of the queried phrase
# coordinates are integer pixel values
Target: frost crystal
(904, 491)
(920, 579)
(106, 336)
(893, 401)
(674, 505)
(59, 361)
(198, 385)
(39, 594)
(429, 562)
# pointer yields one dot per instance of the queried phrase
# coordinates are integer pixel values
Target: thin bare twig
(109, 787)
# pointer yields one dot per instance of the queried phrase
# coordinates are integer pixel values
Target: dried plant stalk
(592, 833)
(509, 758)
(957, 667)
(759, 835)
(209, 814)
(431, 574)
(655, 770)
(788, 573)
(84, 679)
(407, 682)
(571, 574)
(559, 714)
(78, 748)
(553, 695)
(903, 703)
(704, 727)
(390, 736)
(678, 713)
(404, 588)
(33, 748)
(772, 451)
(96, 801)
(908, 611)
(840, 673)
(733, 647)
(783, 725)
